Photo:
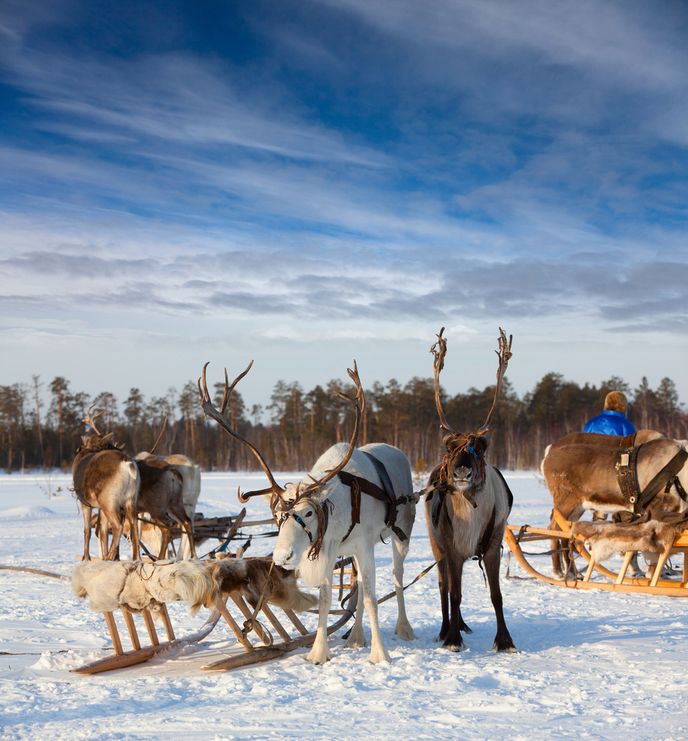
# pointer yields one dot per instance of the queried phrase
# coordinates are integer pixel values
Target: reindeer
(191, 489)
(351, 499)
(467, 504)
(161, 498)
(585, 476)
(107, 478)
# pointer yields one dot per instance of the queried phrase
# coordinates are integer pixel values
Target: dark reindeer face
(465, 461)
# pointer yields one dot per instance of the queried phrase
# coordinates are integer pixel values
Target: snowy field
(590, 664)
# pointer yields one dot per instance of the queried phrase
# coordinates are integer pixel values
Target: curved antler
(504, 354)
(161, 434)
(218, 415)
(359, 403)
(90, 418)
(439, 350)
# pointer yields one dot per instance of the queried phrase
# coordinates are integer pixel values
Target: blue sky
(307, 182)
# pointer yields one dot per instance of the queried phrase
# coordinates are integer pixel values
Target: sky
(312, 181)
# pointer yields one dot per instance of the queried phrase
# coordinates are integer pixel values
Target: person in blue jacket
(613, 420)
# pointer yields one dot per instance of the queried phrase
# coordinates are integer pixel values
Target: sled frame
(607, 579)
(264, 638)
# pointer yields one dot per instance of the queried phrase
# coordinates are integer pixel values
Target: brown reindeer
(161, 498)
(585, 476)
(191, 489)
(467, 504)
(106, 478)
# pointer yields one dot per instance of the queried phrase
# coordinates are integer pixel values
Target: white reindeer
(341, 509)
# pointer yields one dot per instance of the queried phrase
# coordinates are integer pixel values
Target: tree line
(41, 423)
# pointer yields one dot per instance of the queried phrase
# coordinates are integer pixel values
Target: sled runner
(594, 542)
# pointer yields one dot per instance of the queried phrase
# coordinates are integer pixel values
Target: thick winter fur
(650, 536)
(191, 490)
(252, 578)
(137, 585)
(293, 546)
(466, 517)
(582, 476)
(106, 478)
(161, 499)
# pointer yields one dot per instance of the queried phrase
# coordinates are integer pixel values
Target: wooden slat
(114, 633)
(150, 627)
(131, 627)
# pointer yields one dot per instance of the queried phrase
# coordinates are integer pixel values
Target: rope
(410, 584)
(38, 572)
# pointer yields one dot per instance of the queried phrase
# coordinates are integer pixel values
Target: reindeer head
(301, 510)
(463, 464)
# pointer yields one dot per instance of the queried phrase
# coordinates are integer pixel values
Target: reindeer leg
(443, 583)
(115, 526)
(191, 547)
(454, 570)
(87, 510)
(130, 514)
(399, 551)
(366, 561)
(320, 653)
(356, 637)
(503, 641)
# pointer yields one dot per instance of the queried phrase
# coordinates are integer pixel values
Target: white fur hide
(136, 585)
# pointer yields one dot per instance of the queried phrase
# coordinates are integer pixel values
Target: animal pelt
(137, 585)
(252, 577)
(645, 535)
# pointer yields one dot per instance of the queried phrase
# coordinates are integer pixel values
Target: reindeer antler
(90, 418)
(218, 415)
(161, 434)
(439, 350)
(357, 400)
(504, 354)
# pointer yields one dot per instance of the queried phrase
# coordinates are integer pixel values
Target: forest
(41, 423)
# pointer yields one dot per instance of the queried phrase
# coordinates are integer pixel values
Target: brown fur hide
(251, 576)
(644, 535)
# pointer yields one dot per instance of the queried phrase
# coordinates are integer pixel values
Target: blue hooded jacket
(610, 423)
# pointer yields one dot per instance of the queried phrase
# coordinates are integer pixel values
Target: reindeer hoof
(405, 632)
(355, 641)
(454, 645)
(464, 627)
(504, 646)
(379, 657)
(318, 658)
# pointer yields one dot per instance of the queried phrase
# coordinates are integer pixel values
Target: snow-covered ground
(590, 664)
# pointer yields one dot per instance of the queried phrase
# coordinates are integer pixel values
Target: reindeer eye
(309, 513)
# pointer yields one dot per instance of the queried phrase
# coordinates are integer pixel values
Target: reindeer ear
(449, 441)
(480, 444)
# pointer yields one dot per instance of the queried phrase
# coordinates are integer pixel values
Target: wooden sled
(263, 637)
(597, 575)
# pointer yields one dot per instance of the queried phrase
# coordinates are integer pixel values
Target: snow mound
(27, 513)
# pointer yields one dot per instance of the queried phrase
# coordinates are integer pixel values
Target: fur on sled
(136, 585)
(644, 534)
(252, 576)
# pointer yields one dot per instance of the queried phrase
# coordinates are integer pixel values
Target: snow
(590, 664)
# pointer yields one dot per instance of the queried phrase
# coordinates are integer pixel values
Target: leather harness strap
(357, 484)
(627, 473)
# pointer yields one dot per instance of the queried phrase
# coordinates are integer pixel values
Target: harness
(627, 476)
(384, 494)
